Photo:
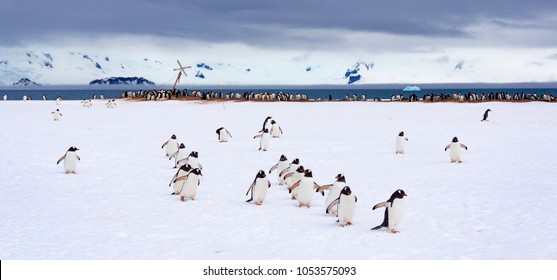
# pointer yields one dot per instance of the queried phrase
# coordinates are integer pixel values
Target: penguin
(292, 178)
(305, 189)
(5, 97)
(400, 141)
(44, 97)
(171, 145)
(182, 172)
(346, 205)
(265, 139)
(179, 155)
(455, 150)
(192, 160)
(291, 168)
(276, 131)
(486, 114)
(394, 208)
(281, 166)
(56, 114)
(259, 188)
(191, 182)
(70, 159)
(266, 124)
(58, 100)
(334, 192)
(223, 134)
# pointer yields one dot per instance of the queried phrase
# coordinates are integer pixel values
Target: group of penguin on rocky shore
(340, 201)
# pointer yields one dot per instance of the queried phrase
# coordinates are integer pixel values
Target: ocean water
(80, 94)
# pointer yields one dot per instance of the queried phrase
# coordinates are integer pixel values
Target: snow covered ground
(500, 203)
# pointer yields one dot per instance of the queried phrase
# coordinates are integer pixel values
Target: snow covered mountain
(24, 82)
(121, 81)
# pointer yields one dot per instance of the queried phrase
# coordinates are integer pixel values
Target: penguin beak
(404, 195)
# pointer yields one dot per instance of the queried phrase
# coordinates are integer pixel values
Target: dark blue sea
(80, 94)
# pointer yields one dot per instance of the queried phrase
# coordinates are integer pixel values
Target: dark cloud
(259, 22)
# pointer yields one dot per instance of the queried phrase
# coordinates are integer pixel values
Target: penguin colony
(297, 180)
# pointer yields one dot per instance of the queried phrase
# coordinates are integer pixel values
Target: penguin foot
(67, 172)
(293, 198)
(299, 205)
(460, 161)
(341, 225)
(73, 172)
(182, 198)
(394, 231)
(258, 203)
(349, 223)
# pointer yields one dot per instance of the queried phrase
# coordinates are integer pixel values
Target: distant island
(24, 82)
(122, 81)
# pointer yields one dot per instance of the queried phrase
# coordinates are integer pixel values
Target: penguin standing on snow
(334, 192)
(486, 115)
(265, 139)
(223, 134)
(394, 208)
(455, 150)
(70, 159)
(5, 97)
(259, 188)
(292, 178)
(179, 155)
(58, 100)
(400, 142)
(182, 172)
(346, 205)
(281, 166)
(291, 168)
(266, 124)
(276, 131)
(171, 145)
(192, 160)
(56, 114)
(305, 189)
(191, 182)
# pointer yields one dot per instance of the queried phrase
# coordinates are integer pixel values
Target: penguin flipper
(377, 227)
(173, 155)
(257, 136)
(164, 144)
(331, 205)
(284, 171)
(293, 186)
(181, 178)
(379, 205)
(464, 146)
(316, 187)
(62, 158)
(250, 189)
(448, 146)
(273, 168)
(288, 175)
(229, 134)
(78, 158)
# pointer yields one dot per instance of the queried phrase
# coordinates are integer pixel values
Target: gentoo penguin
(334, 192)
(266, 124)
(455, 150)
(281, 166)
(183, 171)
(291, 168)
(486, 114)
(394, 208)
(292, 178)
(192, 160)
(305, 189)
(5, 97)
(346, 205)
(44, 97)
(56, 114)
(179, 155)
(58, 100)
(276, 131)
(191, 182)
(171, 145)
(265, 139)
(70, 160)
(400, 141)
(259, 188)
(111, 103)
(223, 134)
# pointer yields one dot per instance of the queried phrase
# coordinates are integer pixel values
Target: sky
(285, 42)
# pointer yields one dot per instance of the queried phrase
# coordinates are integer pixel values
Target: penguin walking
(70, 159)
(179, 156)
(171, 145)
(346, 205)
(291, 168)
(400, 143)
(394, 209)
(266, 124)
(56, 114)
(265, 139)
(192, 160)
(292, 178)
(223, 134)
(182, 172)
(455, 150)
(191, 182)
(334, 192)
(259, 188)
(276, 131)
(305, 189)
(281, 166)
(486, 115)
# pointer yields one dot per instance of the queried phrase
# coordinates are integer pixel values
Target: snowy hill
(122, 81)
(25, 82)
(494, 205)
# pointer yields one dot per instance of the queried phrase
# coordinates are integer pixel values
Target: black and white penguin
(44, 97)
(70, 159)
(305, 187)
(192, 160)
(56, 114)
(394, 209)
(191, 182)
(334, 191)
(281, 166)
(346, 205)
(276, 131)
(400, 143)
(292, 178)
(58, 100)
(223, 134)
(455, 150)
(265, 139)
(179, 156)
(171, 145)
(182, 172)
(5, 97)
(266, 124)
(486, 115)
(259, 188)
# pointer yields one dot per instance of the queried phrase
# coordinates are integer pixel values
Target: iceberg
(412, 88)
